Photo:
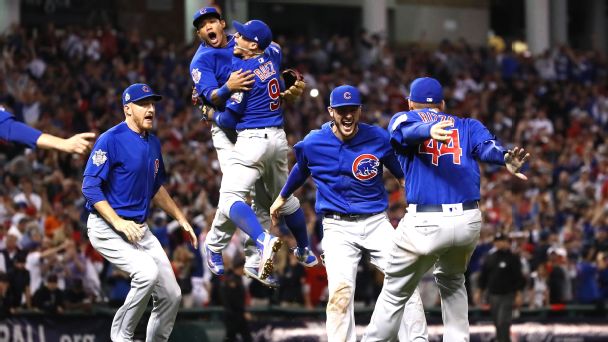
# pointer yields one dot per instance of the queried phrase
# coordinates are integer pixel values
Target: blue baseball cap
(255, 31)
(203, 12)
(426, 90)
(138, 91)
(344, 95)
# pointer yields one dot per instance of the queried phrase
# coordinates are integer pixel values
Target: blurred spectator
(293, 283)
(76, 298)
(9, 301)
(49, 298)
(539, 289)
(20, 280)
(233, 299)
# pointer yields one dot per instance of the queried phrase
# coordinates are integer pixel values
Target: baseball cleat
(215, 261)
(270, 281)
(268, 246)
(305, 256)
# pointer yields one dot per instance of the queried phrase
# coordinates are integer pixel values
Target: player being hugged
(214, 82)
(124, 173)
(345, 159)
(261, 148)
(438, 153)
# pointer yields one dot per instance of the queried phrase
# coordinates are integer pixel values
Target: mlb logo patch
(127, 97)
(429, 99)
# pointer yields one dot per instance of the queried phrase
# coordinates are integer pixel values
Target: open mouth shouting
(212, 38)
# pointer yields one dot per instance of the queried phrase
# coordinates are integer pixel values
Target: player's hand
(515, 159)
(274, 209)
(79, 143)
(132, 230)
(186, 226)
(240, 80)
(439, 132)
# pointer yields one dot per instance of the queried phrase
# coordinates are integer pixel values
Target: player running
(438, 153)
(345, 159)
(123, 174)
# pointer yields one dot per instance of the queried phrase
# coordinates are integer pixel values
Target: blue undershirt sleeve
(297, 177)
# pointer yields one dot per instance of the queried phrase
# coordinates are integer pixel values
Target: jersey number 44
(437, 149)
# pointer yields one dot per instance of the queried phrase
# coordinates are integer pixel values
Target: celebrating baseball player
(438, 153)
(261, 147)
(123, 174)
(346, 159)
(15, 131)
(210, 68)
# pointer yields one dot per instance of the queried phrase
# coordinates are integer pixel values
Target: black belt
(432, 208)
(134, 219)
(348, 217)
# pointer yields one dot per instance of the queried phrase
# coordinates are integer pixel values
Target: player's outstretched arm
(166, 203)
(79, 143)
(297, 177)
(515, 159)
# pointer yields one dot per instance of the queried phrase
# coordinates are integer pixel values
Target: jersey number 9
(274, 91)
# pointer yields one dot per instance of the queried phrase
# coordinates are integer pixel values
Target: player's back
(435, 172)
(261, 106)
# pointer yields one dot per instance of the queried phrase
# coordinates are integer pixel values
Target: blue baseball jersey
(15, 131)
(261, 106)
(210, 67)
(442, 173)
(129, 169)
(348, 174)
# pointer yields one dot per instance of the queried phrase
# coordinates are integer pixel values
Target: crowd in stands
(67, 80)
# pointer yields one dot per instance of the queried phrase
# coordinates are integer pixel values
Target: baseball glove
(205, 110)
(294, 85)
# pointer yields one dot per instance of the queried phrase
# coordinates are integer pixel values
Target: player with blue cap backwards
(345, 159)
(438, 153)
(124, 173)
(261, 148)
(214, 82)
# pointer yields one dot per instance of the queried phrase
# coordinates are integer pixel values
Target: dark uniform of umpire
(502, 277)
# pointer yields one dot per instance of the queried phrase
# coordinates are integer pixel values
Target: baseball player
(346, 159)
(123, 174)
(438, 153)
(15, 131)
(261, 147)
(210, 68)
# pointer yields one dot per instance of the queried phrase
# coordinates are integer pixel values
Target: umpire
(502, 278)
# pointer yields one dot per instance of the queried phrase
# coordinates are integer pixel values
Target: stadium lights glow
(314, 92)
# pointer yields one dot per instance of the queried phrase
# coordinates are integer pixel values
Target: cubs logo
(347, 95)
(145, 89)
(365, 167)
(202, 11)
(99, 157)
(156, 166)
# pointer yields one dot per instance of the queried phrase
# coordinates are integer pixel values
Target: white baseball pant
(423, 239)
(343, 244)
(257, 154)
(222, 228)
(151, 275)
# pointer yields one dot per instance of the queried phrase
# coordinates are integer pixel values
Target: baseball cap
(426, 90)
(255, 31)
(203, 12)
(344, 95)
(138, 91)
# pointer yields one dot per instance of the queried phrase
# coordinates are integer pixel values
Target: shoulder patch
(99, 157)
(196, 75)
(399, 121)
(237, 97)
